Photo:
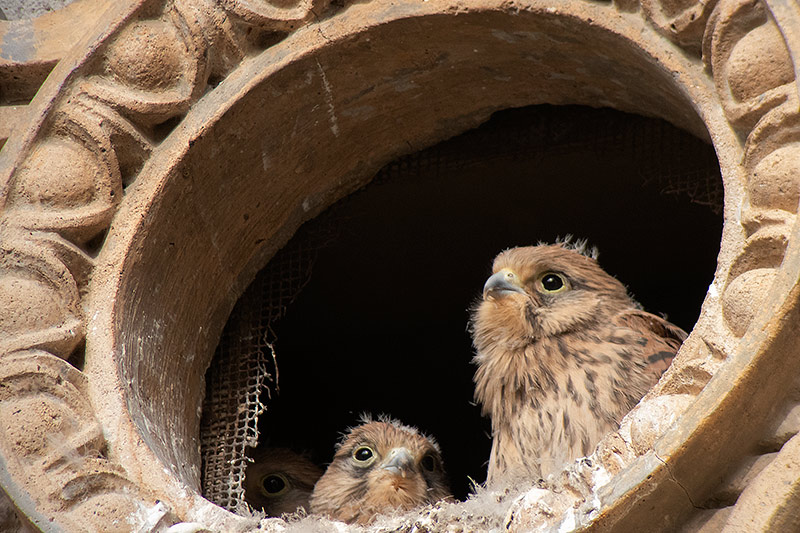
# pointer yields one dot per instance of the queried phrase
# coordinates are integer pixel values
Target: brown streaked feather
(662, 338)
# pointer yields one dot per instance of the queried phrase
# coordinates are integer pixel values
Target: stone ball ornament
(178, 144)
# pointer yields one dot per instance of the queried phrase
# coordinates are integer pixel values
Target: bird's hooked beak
(502, 282)
(399, 461)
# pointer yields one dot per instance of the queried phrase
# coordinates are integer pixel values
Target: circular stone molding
(171, 154)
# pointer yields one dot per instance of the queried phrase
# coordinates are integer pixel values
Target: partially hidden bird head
(544, 290)
(280, 481)
(379, 467)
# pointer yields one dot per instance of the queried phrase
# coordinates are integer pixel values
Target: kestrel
(563, 353)
(280, 481)
(379, 467)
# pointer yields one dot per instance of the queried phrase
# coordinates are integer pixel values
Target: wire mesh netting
(244, 371)
(230, 417)
(244, 374)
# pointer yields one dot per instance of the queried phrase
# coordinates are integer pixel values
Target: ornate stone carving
(754, 74)
(117, 105)
(54, 447)
(41, 299)
(151, 71)
(67, 187)
(681, 21)
(275, 15)
(749, 81)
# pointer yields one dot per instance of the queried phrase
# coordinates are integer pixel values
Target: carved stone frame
(182, 142)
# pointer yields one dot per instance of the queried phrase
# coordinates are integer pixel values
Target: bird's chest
(567, 391)
(568, 417)
(555, 424)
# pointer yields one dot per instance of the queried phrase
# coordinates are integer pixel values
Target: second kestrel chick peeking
(280, 481)
(379, 467)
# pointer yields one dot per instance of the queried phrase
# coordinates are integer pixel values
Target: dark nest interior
(367, 306)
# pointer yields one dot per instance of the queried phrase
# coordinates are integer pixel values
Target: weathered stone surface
(752, 73)
(14, 10)
(744, 296)
(770, 501)
(146, 55)
(776, 179)
(708, 521)
(655, 418)
(159, 142)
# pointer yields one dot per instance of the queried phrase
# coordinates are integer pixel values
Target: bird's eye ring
(428, 463)
(364, 455)
(273, 485)
(553, 282)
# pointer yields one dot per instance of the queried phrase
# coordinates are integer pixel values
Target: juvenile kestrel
(563, 353)
(280, 481)
(380, 466)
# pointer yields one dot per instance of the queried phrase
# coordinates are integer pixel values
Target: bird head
(380, 466)
(543, 290)
(280, 481)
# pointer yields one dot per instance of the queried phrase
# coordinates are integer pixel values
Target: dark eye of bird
(552, 282)
(363, 454)
(428, 463)
(273, 484)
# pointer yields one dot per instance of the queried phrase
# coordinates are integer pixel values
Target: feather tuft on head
(581, 246)
(368, 418)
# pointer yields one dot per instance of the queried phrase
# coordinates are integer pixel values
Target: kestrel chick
(380, 466)
(280, 481)
(563, 353)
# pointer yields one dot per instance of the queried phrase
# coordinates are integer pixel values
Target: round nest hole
(367, 306)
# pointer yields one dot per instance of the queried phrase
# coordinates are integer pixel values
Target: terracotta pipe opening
(366, 307)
